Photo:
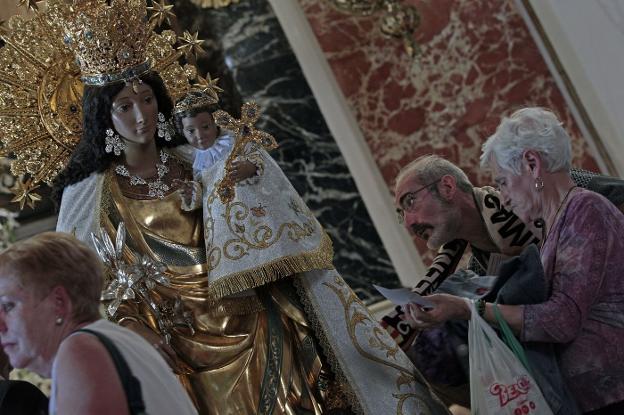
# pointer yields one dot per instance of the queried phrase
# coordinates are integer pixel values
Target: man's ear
(532, 163)
(447, 187)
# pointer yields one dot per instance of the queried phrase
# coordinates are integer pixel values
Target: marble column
(249, 51)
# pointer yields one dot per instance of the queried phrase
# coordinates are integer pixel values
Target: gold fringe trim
(320, 258)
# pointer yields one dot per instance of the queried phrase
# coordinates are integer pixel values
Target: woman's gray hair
(430, 168)
(532, 128)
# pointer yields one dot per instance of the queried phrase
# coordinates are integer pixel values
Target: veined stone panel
(248, 50)
(477, 62)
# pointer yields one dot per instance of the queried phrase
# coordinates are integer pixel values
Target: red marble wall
(478, 62)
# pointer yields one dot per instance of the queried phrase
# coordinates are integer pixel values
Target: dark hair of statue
(89, 155)
(177, 118)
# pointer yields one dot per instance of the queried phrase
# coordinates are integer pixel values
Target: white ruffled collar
(221, 147)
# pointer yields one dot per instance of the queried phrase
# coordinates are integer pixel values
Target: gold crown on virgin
(108, 37)
(195, 99)
(40, 86)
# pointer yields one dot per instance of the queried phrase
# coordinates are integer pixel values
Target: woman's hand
(165, 350)
(241, 170)
(447, 307)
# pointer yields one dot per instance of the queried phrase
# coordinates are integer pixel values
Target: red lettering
(508, 393)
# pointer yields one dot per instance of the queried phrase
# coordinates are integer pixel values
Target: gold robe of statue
(249, 354)
(245, 312)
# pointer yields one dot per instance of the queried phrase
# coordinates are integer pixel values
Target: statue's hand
(242, 169)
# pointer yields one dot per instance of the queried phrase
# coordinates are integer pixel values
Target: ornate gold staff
(245, 132)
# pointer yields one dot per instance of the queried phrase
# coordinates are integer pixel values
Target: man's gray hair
(431, 168)
(528, 129)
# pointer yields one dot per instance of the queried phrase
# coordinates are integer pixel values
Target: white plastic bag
(499, 382)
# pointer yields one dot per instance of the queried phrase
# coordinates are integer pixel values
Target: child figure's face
(200, 131)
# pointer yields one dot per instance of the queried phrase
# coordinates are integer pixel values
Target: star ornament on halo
(209, 86)
(191, 44)
(161, 11)
(24, 195)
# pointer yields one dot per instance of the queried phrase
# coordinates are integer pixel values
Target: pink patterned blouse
(583, 258)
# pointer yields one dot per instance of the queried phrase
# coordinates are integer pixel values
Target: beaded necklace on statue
(156, 188)
(545, 234)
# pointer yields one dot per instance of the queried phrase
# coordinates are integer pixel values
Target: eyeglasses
(408, 199)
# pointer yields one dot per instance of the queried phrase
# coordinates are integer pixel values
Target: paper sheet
(402, 296)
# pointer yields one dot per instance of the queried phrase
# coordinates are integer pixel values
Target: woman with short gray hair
(581, 253)
(529, 128)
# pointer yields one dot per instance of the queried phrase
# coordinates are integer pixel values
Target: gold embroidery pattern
(250, 231)
(320, 258)
(106, 202)
(317, 327)
(356, 314)
(261, 236)
(404, 397)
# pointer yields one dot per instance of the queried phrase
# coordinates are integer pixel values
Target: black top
(24, 398)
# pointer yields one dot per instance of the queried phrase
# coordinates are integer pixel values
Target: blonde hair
(52, 259)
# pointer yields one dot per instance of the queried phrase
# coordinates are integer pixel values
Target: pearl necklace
(156, 188)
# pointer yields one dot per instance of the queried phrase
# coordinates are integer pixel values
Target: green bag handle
(510, 339)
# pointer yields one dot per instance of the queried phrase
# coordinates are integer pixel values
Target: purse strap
(510, 340)
(131, 385)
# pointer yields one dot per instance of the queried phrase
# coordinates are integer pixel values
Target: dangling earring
(163, 127)
(539, 184)
(114, 143)
(58, 321)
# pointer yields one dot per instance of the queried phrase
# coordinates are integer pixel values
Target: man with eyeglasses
(437, 203)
